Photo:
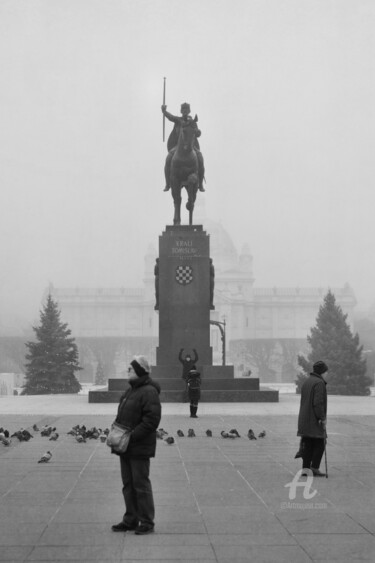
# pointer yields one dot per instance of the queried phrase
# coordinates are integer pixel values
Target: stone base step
(207, 372)
(177, 384)
(207, 396)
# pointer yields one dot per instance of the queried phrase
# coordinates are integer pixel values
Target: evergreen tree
(100, 376)
(53, 359)
(332, 341)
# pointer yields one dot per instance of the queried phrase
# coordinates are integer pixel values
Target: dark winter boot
(191, 412)
(194, 415)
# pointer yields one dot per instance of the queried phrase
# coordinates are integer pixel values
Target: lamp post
(221, 326)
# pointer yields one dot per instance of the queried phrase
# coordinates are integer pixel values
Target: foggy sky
(284, 94)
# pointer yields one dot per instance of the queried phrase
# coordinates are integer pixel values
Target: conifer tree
(100, 376)
(333, 342)
(53, 359)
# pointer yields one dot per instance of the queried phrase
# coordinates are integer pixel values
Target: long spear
(164, 105)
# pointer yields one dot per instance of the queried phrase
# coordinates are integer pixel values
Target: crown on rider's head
(185, 105)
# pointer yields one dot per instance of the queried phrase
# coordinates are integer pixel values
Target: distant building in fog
(265, 327)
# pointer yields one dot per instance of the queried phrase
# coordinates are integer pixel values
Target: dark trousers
(137, 491)
(312, 452)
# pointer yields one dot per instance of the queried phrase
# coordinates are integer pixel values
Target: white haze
(284, 91)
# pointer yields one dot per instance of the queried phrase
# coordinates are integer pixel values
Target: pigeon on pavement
(169, 440)
(54, 436)
(191, 433)
(235, 432)
(262, 434)
(4, 439)
(251, 435)
(180, 433)
(45, 457)
(209, 433)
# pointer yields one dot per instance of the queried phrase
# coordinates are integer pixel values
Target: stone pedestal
(184, 322)
(184, 295)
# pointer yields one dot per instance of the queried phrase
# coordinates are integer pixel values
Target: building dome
(222, 250)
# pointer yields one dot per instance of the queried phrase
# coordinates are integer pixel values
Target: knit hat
(140, 366)
(320, 367)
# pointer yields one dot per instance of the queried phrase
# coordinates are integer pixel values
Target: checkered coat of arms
(184, 274)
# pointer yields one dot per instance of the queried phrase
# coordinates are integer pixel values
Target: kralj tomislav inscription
(184, 249)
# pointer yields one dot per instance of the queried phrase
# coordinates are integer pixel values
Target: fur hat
(320, 367)
(140, 365)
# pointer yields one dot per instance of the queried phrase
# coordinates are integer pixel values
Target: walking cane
(325, 452)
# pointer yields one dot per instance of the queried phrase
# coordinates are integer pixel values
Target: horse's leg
(193, 196)
(176, 193)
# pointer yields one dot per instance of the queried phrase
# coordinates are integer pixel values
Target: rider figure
(179, 122)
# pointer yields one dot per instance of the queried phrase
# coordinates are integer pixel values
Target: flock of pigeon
(161, 434)
(80, 433)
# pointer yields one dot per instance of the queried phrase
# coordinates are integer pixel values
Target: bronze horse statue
(184, 171)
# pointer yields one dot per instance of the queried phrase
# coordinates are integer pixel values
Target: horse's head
(188, 133)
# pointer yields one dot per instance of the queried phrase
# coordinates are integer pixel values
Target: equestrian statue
(184, 165)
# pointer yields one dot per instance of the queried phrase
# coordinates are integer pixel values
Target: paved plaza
(217, 500)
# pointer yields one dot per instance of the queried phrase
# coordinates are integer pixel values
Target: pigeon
(159, 435)
(191, 433)
(35, 428)
(6, 441)
(163, 432)
(47, 431)
(209, 433)
(4, 438)
(103, 437)
(251, 435)
(235, 432)
(45, 457)
(26, 435)
(180, 433)
(80, 439)
(224, 434)
(169, 440)
(92, 433)
(262, 434)
(106, 431)
(54, 436)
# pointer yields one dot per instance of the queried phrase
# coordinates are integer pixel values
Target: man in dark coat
(312, 419)
(187, 363)
(194, 390)
(140, 410)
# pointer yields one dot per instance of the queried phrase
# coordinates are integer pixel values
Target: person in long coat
(312, 419)
(194, 390)
(140, 410)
